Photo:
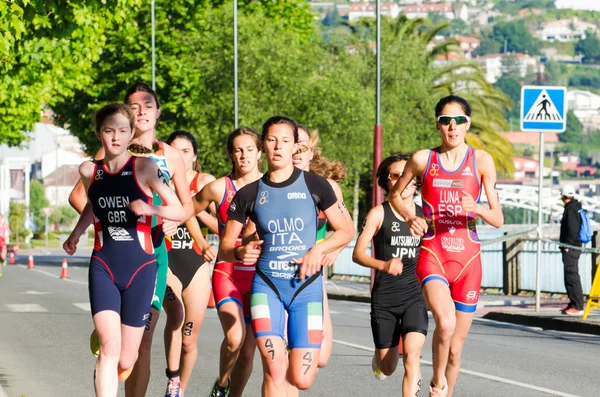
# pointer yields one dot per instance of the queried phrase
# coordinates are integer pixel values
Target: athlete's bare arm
(182, 188)
(78, 196)
(228, 252)
(194, 228)
(210, 195)
(149, 175)
(329, 259)
(415, 166)
(343, 232)
(209, 220)
(86, 173)
(493, 215)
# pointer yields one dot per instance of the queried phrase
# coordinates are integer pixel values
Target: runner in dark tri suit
(284, 205)
(308, 158)
(144, 103)
(123, 268)
(397, 305)
(188, 279)
(231, 281)
(449, 266)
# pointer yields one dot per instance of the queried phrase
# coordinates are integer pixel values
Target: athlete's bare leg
(412, 344)
(175, 311)
(326, 345)
(438, 299)
(137, 383)
(463, 325)
(275, 365)
(386, 360)
(243, 365)
(303, 367)
(234, 328)
(195, 299)
(108, 327)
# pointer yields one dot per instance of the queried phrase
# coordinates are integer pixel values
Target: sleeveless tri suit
(231, 282)
(450, 249)
(286, 218)
(185, 256)
(122, 269)
(397, 304)
(160, 248)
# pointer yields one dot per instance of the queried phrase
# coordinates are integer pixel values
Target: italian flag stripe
(315, 323)
(259, 309)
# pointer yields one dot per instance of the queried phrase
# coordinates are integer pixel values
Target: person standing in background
(569, 234)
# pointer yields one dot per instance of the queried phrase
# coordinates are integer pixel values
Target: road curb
(352, 298)
(547, 323)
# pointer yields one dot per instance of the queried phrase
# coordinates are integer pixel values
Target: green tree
(556, 74)
(37, 201)
(47, 50)
(488, 45)
(589, 47)
(514, 35)
(573, 139)
(511, 87)
(63, 215)
(16, 221)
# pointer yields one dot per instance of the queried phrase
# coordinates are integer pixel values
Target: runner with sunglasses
(397, 305)
(449, 266)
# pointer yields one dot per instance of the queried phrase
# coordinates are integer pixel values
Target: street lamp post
(235, 63)
(378, 133)
(153, 48)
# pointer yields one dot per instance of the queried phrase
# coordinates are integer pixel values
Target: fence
(509, 266)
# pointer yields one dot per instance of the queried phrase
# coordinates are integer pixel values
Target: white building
(589, 5)
(583, 100)
(18, 164)
(369, 10)
(564, 30)
(586, 106)
(494, 68)
(422, 11)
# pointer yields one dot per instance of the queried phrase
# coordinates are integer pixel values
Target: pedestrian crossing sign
(543, 109)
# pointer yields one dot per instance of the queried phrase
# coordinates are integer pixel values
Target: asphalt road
(45, 325)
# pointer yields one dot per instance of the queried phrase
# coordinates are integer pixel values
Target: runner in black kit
(397, 305)
(123, 268)
(284, 205)
(188, 278)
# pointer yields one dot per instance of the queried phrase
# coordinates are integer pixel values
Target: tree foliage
(589, 47)
(37, 201)
(287, 65)
(48, 49)
(514, 34)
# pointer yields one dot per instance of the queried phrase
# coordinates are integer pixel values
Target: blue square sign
(543, 109)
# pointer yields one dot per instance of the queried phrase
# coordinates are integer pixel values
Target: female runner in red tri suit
(449, 266)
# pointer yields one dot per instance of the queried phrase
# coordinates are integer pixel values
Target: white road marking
(511, 325)
(25, 308)
(473, 373)
(35, 293)
(56, 275)
(84, 306)
(334, 312)
(360, 309)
